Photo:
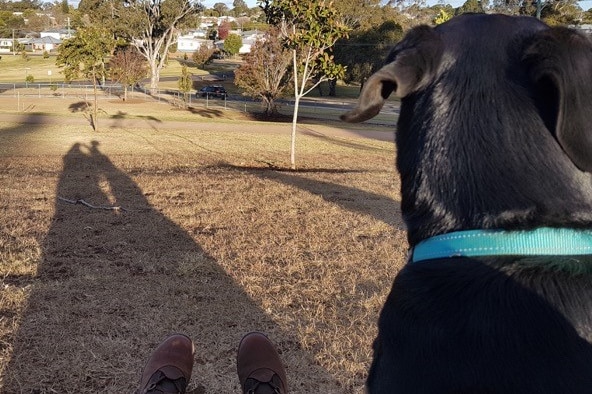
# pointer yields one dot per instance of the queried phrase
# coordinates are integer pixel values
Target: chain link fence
(329, 109)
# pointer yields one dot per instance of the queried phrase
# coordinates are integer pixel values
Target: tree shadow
(349, 143)
(118, 119)
(112, 283)
(85, 108)
(124, 115)
(206, 112)
(80, 106)
(380, 207)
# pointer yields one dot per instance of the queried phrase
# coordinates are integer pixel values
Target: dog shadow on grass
(117, 276)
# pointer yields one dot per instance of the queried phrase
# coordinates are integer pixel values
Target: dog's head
(495, 129)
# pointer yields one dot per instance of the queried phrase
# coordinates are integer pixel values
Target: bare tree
(203, 55)
(128, 67)
(264, 73)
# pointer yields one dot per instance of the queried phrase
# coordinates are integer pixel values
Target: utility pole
(13, 44)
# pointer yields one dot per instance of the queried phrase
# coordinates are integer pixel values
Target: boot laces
(159, 383)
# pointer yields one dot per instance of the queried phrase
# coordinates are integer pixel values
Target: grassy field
(14, 69)
(197, 227)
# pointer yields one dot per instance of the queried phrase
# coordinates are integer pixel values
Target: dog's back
(495, 133)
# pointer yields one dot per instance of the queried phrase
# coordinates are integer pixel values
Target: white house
(58, 34)
(5, 45)
(249, 39)
(43, 44)
(191, 43)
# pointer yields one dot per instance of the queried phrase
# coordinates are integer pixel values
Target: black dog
(494, 148)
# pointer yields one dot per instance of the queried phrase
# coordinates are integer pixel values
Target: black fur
(495, 132)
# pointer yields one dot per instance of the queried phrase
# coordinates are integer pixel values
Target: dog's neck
(543, 241)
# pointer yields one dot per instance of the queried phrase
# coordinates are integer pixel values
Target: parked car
(213, 91)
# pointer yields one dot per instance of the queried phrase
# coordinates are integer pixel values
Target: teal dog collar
(473, 243)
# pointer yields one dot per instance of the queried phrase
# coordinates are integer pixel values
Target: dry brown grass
(214, 242)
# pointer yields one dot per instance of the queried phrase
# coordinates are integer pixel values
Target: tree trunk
(295, 115)
(294, 123)
(95, 122)
(154, 78)
(332, 87)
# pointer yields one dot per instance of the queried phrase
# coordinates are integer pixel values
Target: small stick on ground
(86, 204)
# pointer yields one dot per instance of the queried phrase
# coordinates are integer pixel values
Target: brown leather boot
(260, 369)
(169, 368)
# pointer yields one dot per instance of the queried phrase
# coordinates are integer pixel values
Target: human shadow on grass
(380, 207)
(115, 278)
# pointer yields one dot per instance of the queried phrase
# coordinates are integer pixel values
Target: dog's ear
(559, 62)
(409, 65)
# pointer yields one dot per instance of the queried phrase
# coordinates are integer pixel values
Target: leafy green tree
(128, 67)
(104, 13)
(65, 7)
(309, 28)
(362, 14)
(475, 6)
(8, 22)
(20, 6)
(365, 51)
(240, 7)
(232, 44)
(553, 12)
(185, 83)
(565, 12)
(221, 9)
(264, 73)
(150, 25)
(442, 17)
(84, 55)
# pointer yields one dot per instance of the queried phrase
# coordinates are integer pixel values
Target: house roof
(44, 40)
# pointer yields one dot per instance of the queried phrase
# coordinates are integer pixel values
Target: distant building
(249, 39)
(58, 34)
(42, 44)
(192, 41)
(5, 45)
